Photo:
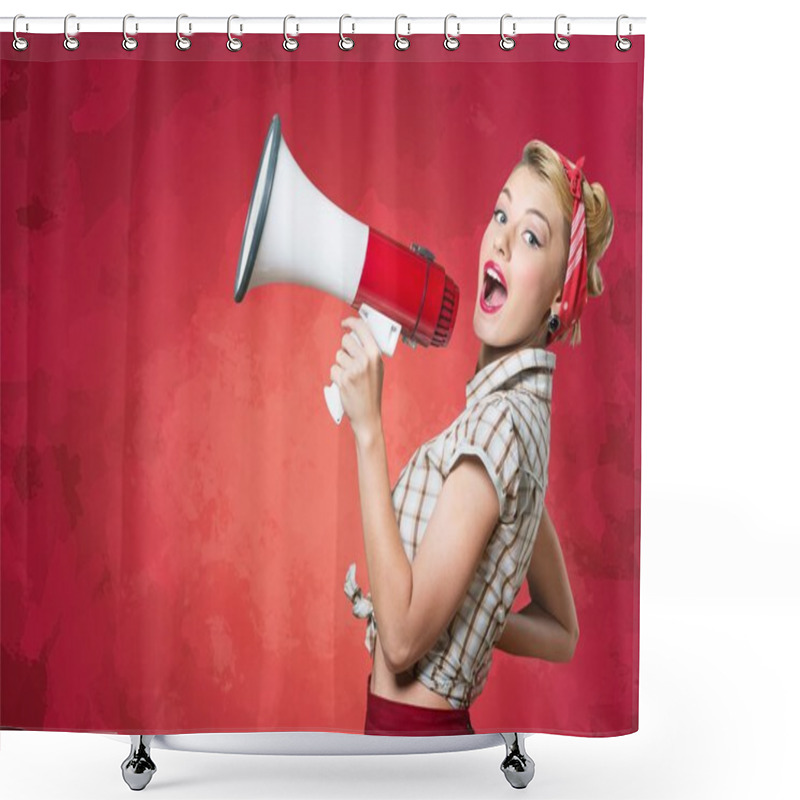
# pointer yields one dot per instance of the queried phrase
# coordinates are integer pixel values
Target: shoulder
(487, 431)
(490, 423)
(496, 409)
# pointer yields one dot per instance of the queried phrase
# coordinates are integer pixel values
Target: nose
(501, 243)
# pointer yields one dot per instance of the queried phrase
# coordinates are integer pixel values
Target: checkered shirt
(506, 424)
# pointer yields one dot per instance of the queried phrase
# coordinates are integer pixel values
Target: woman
(448, 549)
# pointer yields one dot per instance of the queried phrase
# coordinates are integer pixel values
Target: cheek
(530, 294)
(530, 285)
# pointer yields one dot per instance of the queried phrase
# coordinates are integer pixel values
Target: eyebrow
(531, 211)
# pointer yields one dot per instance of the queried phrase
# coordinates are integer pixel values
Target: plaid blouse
(506, 423)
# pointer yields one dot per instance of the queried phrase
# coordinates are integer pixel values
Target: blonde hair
(545, 162)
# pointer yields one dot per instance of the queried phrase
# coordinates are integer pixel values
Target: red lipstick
(494, 291)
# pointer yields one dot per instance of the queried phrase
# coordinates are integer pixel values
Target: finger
(364, 333)
(351, 345)
(343, 359)
(361, 330)
(340, 375)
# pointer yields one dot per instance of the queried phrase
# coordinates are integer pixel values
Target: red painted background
(178, 509)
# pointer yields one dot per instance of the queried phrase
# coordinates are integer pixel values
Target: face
(522, 264)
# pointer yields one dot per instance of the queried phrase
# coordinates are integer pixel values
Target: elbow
(400, 655)
(397, 656)
(397, 663)
(564, 650)
(396, 666)
(572, 644)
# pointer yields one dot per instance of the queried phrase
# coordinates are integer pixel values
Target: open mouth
(494, 293)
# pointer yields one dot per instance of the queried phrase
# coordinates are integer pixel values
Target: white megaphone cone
(294, 234)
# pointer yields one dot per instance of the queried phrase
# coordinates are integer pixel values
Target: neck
(489, 353)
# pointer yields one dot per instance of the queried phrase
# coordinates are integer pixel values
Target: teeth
(495, 274)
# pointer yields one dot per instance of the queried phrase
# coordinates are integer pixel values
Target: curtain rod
(407, 26)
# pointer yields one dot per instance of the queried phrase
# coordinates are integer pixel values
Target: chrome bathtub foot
(138, 768)
(518, 766)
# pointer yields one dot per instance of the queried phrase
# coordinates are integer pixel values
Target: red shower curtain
(178, 509)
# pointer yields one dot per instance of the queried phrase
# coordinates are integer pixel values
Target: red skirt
(390, 718)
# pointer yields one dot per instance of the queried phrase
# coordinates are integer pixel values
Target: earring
(554, 323)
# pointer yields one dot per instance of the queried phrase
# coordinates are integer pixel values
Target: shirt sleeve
(489, 434)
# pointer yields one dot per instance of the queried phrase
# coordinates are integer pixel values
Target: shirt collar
(530, 364)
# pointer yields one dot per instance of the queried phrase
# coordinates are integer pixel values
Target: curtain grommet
(70, 42)
(234, 44)
(345, 42)
(182, 42)
(622, 44)
(289, 42)
(560, 42)
(19, 43)
(451, 42)
(507, 42)
(129, 42)
(401, 42)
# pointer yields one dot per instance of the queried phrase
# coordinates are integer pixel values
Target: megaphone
(294, 234)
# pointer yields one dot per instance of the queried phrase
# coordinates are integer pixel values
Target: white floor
(717, 720)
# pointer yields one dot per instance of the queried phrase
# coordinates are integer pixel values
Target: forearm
(534, 633)
(548, 580)
(387, 564)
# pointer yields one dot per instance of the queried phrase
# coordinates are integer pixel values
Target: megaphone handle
(333, 399)
(386, 332)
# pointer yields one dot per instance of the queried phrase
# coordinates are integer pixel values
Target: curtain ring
(128, 42)
(451, 42)
(623, 44)
(289, 42)
(234, 44)
(182, 43)
(19, 42)
(70, 42)
(506, 42)
(561, 43)
(400, 42)
(345, 42)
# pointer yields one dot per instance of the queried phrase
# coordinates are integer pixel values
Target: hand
(358, 372)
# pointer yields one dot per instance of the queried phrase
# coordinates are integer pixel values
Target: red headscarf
(575, 293)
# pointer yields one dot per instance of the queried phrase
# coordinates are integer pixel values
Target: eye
(502, 214)
(533, 239)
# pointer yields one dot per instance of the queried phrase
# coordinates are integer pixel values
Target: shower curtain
(179, 509)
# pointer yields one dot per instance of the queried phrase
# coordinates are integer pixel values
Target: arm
(413, 603)
(547, 627)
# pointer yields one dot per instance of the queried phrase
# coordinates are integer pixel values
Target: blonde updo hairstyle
(545, 162)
